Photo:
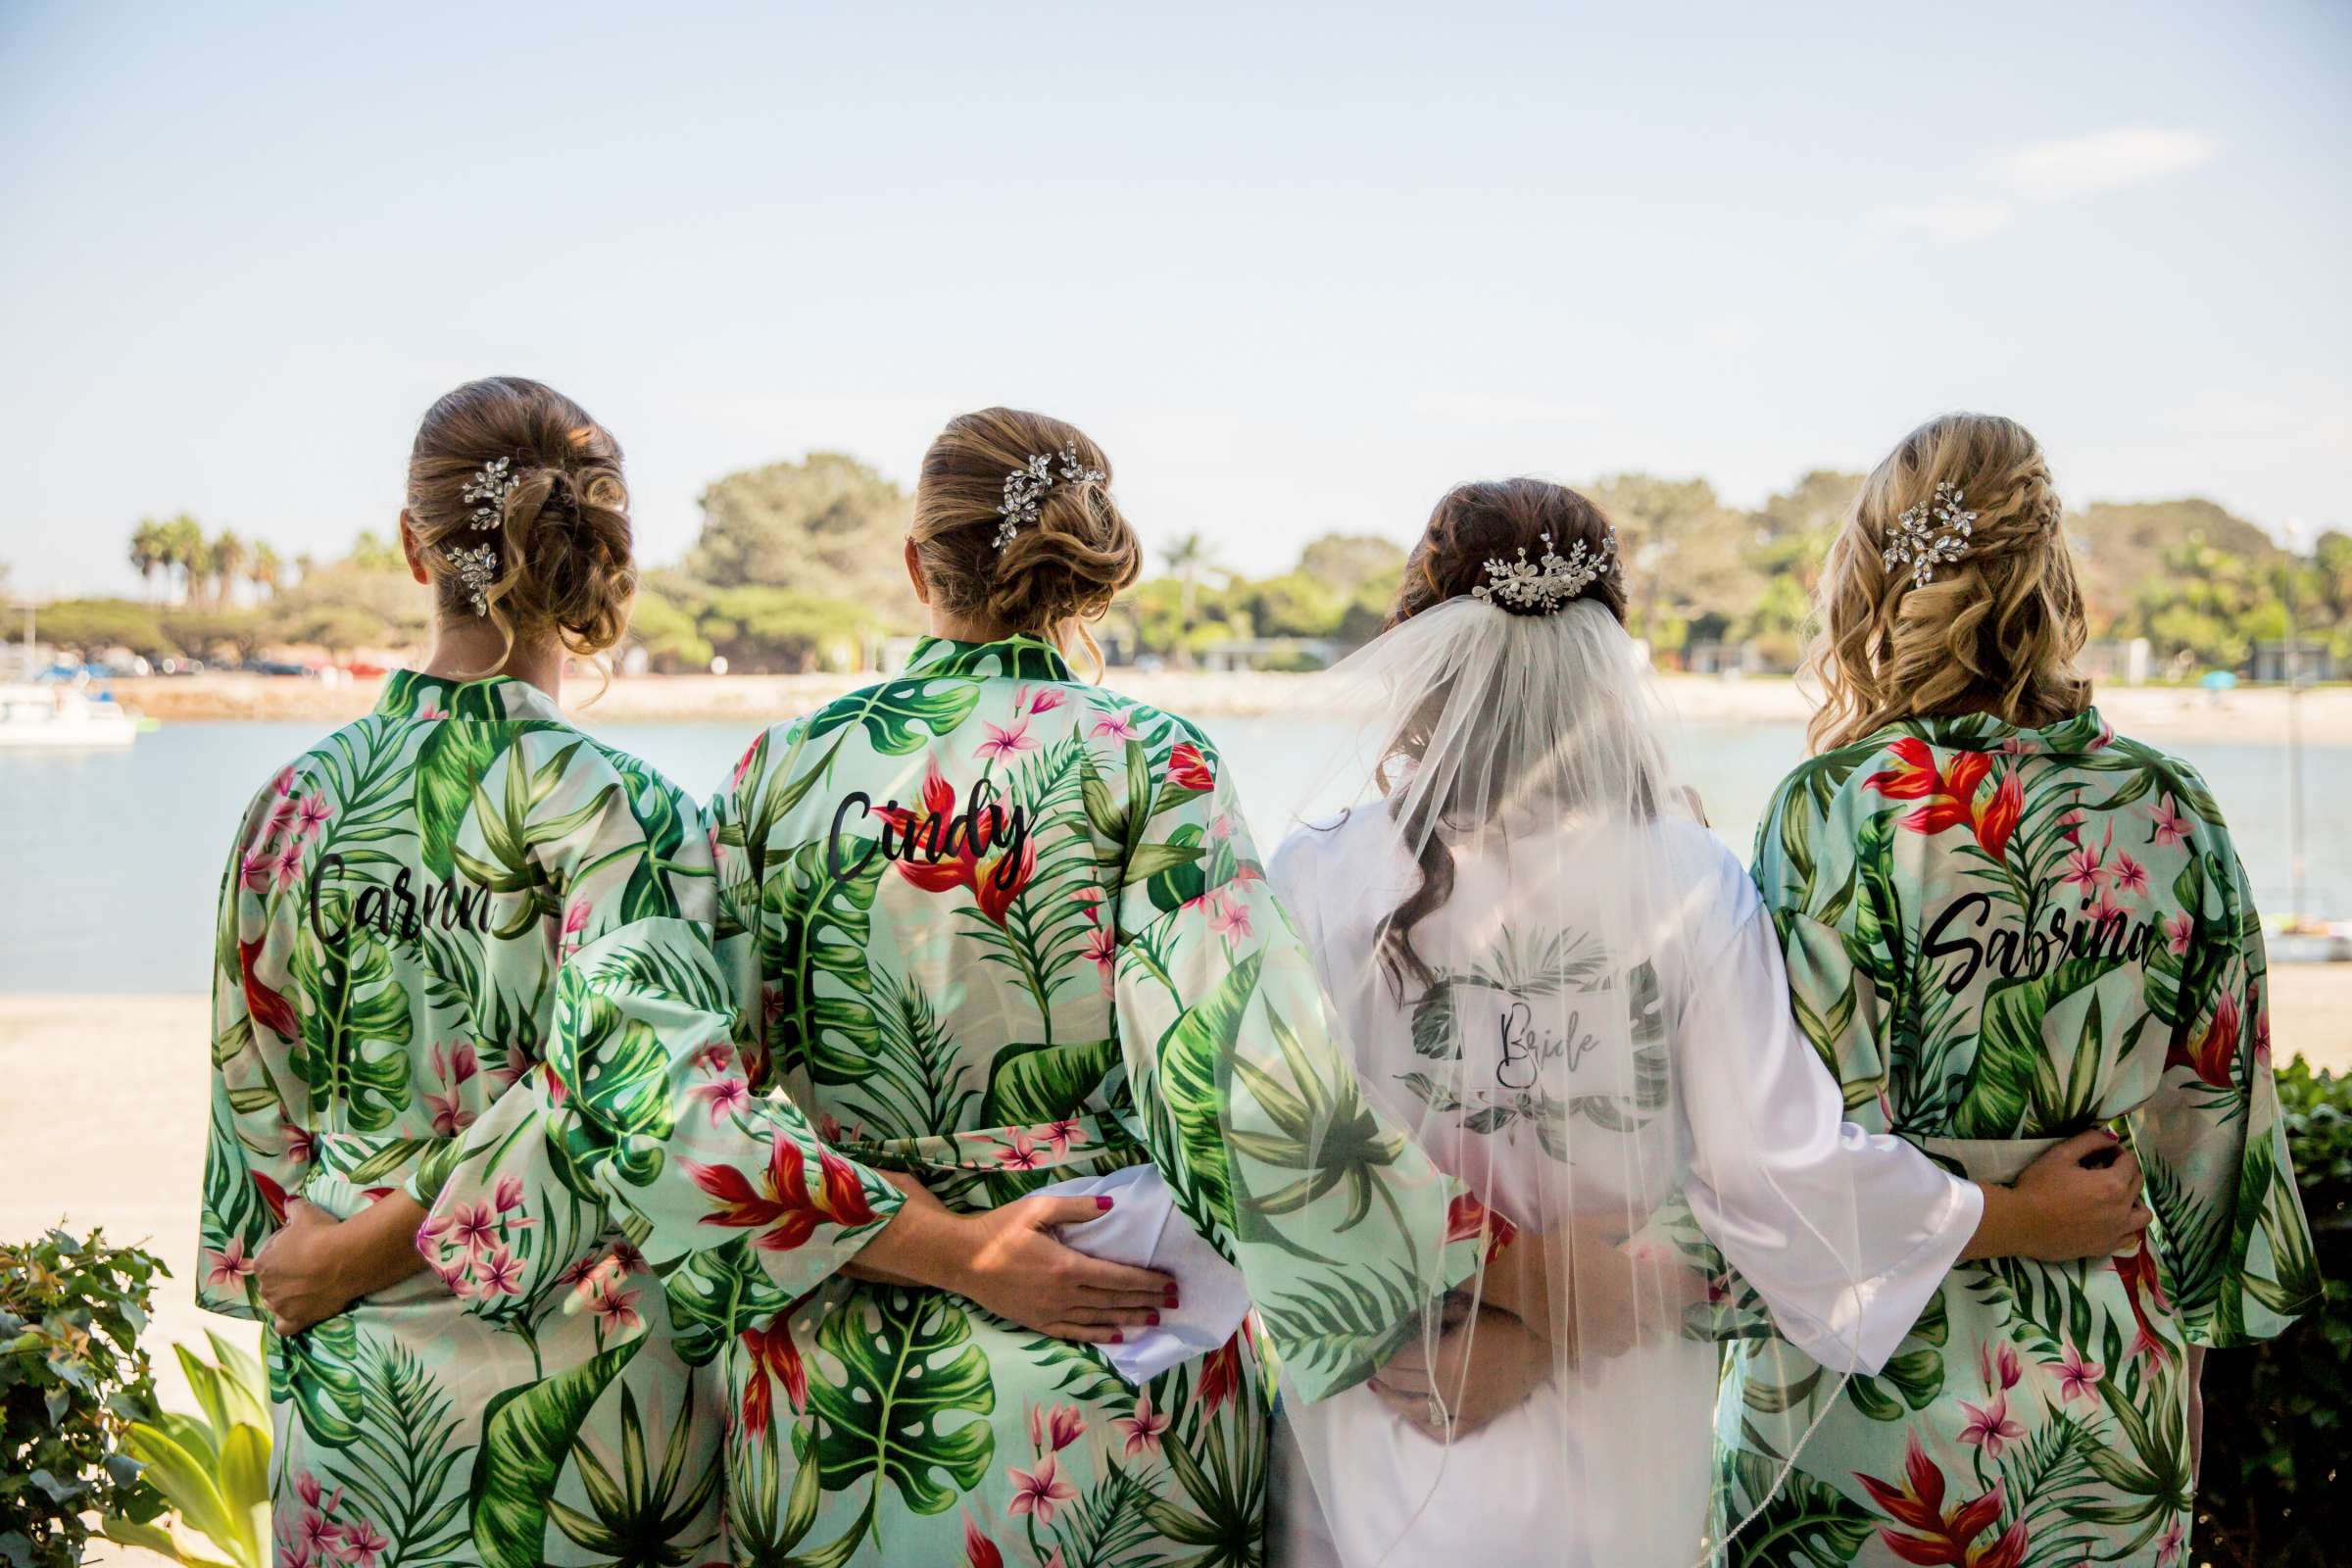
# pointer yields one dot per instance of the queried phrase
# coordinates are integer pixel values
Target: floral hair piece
(1917, 545)
(490, 488)
(1544, 584)
(477, 569)
(1025, 488)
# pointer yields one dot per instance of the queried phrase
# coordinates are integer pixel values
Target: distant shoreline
(2250, 716)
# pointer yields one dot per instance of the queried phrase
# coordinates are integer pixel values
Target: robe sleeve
(1833, 953)
(1845, 1234)
(2230, 1233)
(1344, 1228)
(641, 1116)
(252, 1157)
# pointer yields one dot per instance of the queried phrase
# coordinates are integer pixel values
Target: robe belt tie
(1081, 1141)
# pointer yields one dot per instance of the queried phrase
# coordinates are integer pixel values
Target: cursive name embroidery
(1526, 1049)
(402, 908)
(2029, 953)
(981, 827)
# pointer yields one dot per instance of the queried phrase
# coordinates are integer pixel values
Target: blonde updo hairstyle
(1056, 575)
(1996, 631)
(565, 568)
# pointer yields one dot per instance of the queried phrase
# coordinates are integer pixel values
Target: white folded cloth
(1143, 1229)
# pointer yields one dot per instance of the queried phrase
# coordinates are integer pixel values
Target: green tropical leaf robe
(1000, 928)
(432, 922)
(1999, 937)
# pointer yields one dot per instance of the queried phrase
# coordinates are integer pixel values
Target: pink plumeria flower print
(1992, 1427)
(301, 1147)
(716, 1057)
(1111, 727)
(1142, 1430)
(576, 927)
(450, 1118)
(2070, 827)
(2178, 930)
(1246, 876)
(230, 1265)
(508, 1196)
(1048, 699)
(1092, 899)
(312, 815)
(1221, 827)
(617, 1311)
(363, 1544)
(473, 1227)
(2262, 1037)
(283, 784)
(1019, 1154)
(320, 1536)
(1064, 1425)
(627, 1257)
(1065, 1135)
(2131, 877)
(2077, 1379)
(2000, 1367)
(1041, 1490)
(256, 869)
(2084, 871)
(1102, 946)
(289, 864)
(501, 1274)
(1006, 742)
(2169, 1545)
(2168, 826)
(1230, 918)
(727, 1097)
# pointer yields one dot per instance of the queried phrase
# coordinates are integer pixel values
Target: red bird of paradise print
(1950, 799)
(268, 1009)
(785, 1201)
(1941, 1537)
(770, 1354)
(2137, 1270)
(978, 852)
(2214, 1058)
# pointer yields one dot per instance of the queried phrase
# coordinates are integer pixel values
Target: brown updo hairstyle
(564, 564)
(1492, 519)
(1056, 575)
(1996, 631)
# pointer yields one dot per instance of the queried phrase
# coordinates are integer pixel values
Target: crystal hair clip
(1544, 584)
(1025, 488)
(477, 569)
(1929, 534)
(490, 488)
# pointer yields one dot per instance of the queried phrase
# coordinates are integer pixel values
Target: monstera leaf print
(356, 1030)
(1028, 1084)
(715, 1295)
(621, 1066)
(899, 716)
(527, 1434)
(814, 929)
(456, 753)
(1191, 1058)
(911, 1404)
(663, 826)
(318, 1371)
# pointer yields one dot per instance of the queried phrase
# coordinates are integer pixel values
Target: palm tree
(228, 557)
(265, 570)
(1188, 555)
(182, 549)
(147, 552)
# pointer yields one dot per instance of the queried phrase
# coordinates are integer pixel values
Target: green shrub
(213, 1469)
(2275, 1415)
(73, 1380)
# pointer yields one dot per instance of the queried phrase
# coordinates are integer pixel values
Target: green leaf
(526, 1434)
(2012, 1056)
(454, 757)
(897, 715)
(1028, 1084)
(1178, 881)
(814, 931)
(1193, 1058)
(908, 1366)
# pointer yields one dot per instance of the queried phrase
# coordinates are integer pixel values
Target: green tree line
(798, 566)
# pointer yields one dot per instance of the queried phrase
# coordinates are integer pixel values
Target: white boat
(56, 717)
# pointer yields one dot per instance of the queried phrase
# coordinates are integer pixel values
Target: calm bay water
(110, 862)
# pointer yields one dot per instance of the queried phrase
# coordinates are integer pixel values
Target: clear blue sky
(1296, 273)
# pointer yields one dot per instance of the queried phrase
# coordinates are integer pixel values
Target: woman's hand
(1483, 1367)
(2079, 1199)
(317, 1265)
(1017, 1268)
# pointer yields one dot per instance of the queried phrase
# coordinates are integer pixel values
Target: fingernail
(1172, 1301)
(1102, 1202)
(1116, 1338)
(1151, 1318)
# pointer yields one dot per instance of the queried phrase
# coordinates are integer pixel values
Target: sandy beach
(2156, 713)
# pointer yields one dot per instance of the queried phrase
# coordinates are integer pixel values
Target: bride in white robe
(1568, 986)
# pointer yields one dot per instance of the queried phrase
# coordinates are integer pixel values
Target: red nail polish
(1117, 1337)
(1102, 1202)
(1152, 1318)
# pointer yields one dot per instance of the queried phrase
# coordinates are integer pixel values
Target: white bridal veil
(1559, 981)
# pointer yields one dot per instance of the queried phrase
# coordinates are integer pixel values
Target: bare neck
(472, 650)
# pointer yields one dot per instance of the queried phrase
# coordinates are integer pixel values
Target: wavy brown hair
(1996, 631)
(1491, 520)
(564, 566)
(1057, 575)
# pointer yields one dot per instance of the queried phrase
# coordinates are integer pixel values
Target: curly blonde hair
(1995, 632)
(1056, 575)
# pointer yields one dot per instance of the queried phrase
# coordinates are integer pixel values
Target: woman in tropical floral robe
(2004, 927)
(412, 912)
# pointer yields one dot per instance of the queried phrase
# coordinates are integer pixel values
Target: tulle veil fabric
(1550, 1032)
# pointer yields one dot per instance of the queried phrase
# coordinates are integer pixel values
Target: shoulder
(1308, 855)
